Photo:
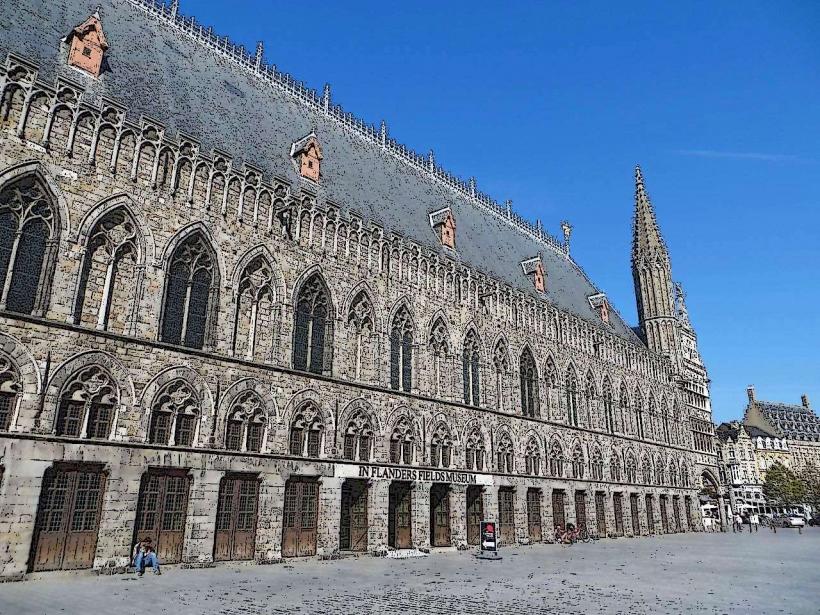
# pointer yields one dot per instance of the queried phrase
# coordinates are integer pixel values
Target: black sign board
(489, 536)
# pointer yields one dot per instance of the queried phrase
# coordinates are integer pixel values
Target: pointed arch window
(306, 432)
(673, 473)
(504, 455)
(590, 395)
(552, 385)
(29, 232)
(245, 429)
(401, 351)
(474, 451)
(175, 415)
(631, 469)
(255, 308)
(361, 320)
(501, 363)
(470, 370)
(639, 414)
(609, 406)
(358, 438)
(190, 294)
(556, 460)
(652, 417)
(109, 275)
(660, 471)
(313, 330)
(441, 447)
(572, 397)
(87, 401)
(577, 461)
(614, 467)
(684, 475)
(529, 384)
(440, 347)
(646, 471)
(623, 405)
(665, 423)
(596, 465)
(532, 458)
(10, 387)
(402, 442)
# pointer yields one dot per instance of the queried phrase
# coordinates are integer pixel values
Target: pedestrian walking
(754, 522)
(738, 523)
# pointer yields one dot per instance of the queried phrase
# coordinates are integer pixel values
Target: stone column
(522, 528)
(547, 524)
(458, 516)
(330, 506)
(378, 497)
(490, 495)
(200, 523)
(269, 521)
(420, 506)
(115, 537)
(722, 513)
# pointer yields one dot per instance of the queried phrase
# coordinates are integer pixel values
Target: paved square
(704, 573)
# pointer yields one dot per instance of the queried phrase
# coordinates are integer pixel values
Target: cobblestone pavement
(704, 573)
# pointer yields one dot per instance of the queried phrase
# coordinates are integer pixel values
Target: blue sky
(552, 105)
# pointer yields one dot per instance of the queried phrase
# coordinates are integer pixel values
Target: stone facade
(107, 365)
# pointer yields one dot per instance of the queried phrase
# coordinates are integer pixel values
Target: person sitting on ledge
(143, 555)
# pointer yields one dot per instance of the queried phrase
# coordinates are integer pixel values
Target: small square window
(310, 164)
(87, 52)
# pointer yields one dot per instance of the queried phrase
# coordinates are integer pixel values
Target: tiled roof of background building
(795, 421)
(158, 70)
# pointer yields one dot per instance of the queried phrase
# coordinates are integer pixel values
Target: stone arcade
(241, 321)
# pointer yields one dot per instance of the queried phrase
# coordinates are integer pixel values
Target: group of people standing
(753, 520)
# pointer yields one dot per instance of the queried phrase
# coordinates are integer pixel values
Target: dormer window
(87, 46)
(308, 156)
(534, 269)
(444, 224)
(600, 304)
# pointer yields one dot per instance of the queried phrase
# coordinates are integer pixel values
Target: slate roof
(167, 75)
(795, 421)
(756, 432)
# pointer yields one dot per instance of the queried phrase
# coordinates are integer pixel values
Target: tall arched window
(532, 457)
(255, 307)
(439, 346)
(639, 417)
(501, 363)
(556, 460)
(684, 475)
(652, 417)
(572, 396)
(614, 466)
(360, 320)
(441, 447)
(577, 461)
(87, 404)
(673, 473)
(596, 465)
(474, 451)
(660, 471)
(552, 385)
(665, 422)
(29, 232)
(401, 351)
(313, 330)
(10, 387)
(470, 370)
(609, 406)
(108, 277)
(306, 432)
(402, 442)
(358, 438)
(646, 470)
(590, 395)
(529, 384)
(175, 415)
(631, 468)
(245, 429)
(190, 293)
(504, 455)
(623, 405)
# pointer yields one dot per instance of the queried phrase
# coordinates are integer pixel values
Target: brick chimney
(805, 400)
(750, 392)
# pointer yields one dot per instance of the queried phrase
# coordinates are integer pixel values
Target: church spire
(646, 236)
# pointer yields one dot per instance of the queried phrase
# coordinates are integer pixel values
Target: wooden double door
(440, 515)
(636, 520)
(618, 509)
(300, 517)
(650, 514)
(236, 512)
(600, 513)
(559, 518)
(664, 514)
(534, 514)
(676, 513)
(475, 514)
(161, 512)
(581, 509)
(399, 515)
(353, 522)
(68, 517)
(506, 515)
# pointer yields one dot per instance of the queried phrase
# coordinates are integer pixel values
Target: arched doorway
(711, 499)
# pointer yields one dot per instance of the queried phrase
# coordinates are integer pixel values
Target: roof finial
(174, 8)
(98, 11)
(472, 187)
(326, 98)
(383, 133)
(508, 205)
(260, 50)
(566, 227)
(431, 161)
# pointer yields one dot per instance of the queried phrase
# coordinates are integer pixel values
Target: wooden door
(559, 519)
(676, 512)
(580, 509)
(399, 516)
(600, 514)
(475, 514)
(236, 517)
(664, 516)
(161, 512)
(440, 515)
(650, 514)
(534, 514)
(618, 506)
(353, 525)
(506, 515)
(633, 505)
(299, 517)
(68, 517)
(688, 505)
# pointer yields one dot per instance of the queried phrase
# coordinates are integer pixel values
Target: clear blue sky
(552, 105)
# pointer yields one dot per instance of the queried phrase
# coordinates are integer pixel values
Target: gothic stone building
(239, 320)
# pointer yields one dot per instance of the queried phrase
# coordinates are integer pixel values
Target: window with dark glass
(401, 351)
(529, 384)
(313, 328)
